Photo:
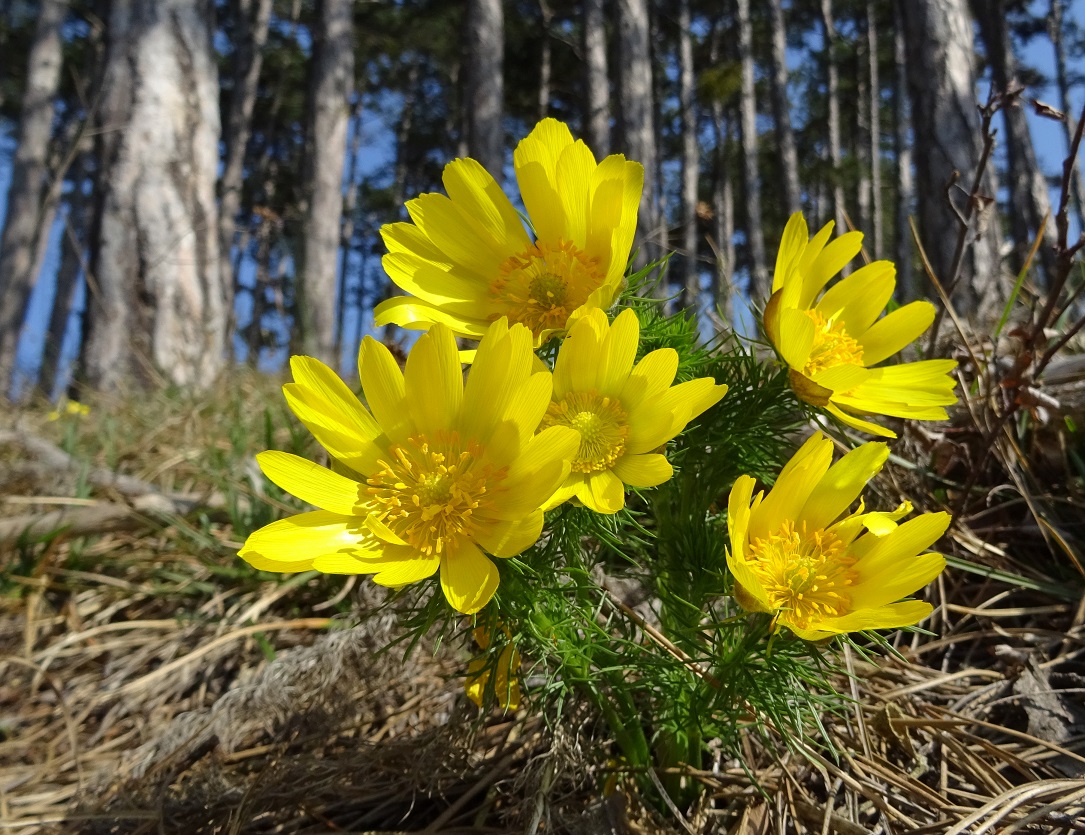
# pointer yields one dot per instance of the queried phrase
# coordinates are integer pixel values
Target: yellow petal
(335, 431)
(651, 376)
(454, 233)
(793, 488)
(827, 264)
(330, 389)
(792, 243)
(796, 337)
(842, 484)
(293, 543)
(572, 485)
(385, 391)
(573, 176)
(433, 381)
(606, 493)
(312, 483)
(894, 616)
(437, 284)
(468, 578)
(402, 572)
(416, 314)
(618, 353)
(858, 423)
(894, 582)
(643, 470)
(877, 554)
(479, 196)
(509, 537)
(856, 301)
(894, 331)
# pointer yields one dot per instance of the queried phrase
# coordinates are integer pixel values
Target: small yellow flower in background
(623, 414)
(71, 407)
(799, 555)
(830, 344)
(466, 259)
(440, 470)
(504, 671)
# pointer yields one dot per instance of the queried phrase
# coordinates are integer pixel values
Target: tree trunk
(941, 80)
(691, 279)
(755, 240)
(1069, 123)
(781, 111)
(330, 84)
(159, 299)
(877, 230)
(907, 285)
(635, 103)
(346, 235)
(723, 208)
(484, 54)
(861, 149)
(832, 92)
(545, 60)
(1029, 203)
(24, 225)
(251, 37)
(597, 98)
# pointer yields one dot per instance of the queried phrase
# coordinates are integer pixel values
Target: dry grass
(152, 683)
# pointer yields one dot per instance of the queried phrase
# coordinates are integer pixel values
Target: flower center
(804, 574)
(832, 346)
(601, 422)
(544, 284)
(428, 491)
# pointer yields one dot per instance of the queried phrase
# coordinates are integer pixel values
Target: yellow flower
(71, 407)
(623, 414)
(436, 470)
(466, 260)
(798, 553)
(832, 345)
(504, 670)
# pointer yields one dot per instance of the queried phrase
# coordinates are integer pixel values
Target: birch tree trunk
(252, 18)
(902, 151)
(832, 91)
(25, 222)
(723, 208)
(781, 110)
(484, 54)
(1029, 203)
(157, 302)
(877, 230)
(635, 103)
(330, 83)
(941, 80)
(691, 279)
(1054, 30)
(545, 60)
(750, 177)
(597, 97)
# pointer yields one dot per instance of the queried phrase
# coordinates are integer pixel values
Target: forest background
(229, 164)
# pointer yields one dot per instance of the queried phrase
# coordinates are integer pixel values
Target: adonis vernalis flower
(820, 570)
(437, 471)
(504, 670)
(623, 414)
(466, 260)
(831, 343)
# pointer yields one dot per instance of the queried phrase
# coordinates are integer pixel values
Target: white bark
(941, 80)
(331, 82)
(876, 232)
(635, 102)
(25, 225)
(781, 110)
(597, 96)
(484, 53)
(902, 149)
(755, 240)
(690, 156)
(832, 91)
(157, 297)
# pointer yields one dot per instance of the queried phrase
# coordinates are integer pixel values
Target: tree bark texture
(635, 102)
(252, 17)
(907, 286)
(545, 59)
(691, 279)
(876, 232)
(156, 295)
(832, 93)
(751, 179)
(331, 81)
(1069, 123)
(941, 81)
(1029, 202)
(597, 95)
(25, 222)
(781, 110)
(484, 55)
